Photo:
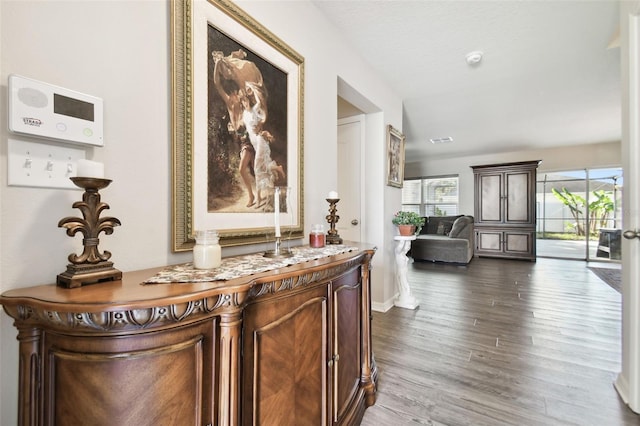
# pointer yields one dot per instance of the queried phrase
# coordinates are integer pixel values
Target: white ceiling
(547, 77)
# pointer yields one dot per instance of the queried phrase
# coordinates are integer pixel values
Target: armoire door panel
(518, 208)
(518, 243)
(491, 203)
(489, 241)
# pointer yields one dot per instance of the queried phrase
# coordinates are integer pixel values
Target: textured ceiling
(547, 77)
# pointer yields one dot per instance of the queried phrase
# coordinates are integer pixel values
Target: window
(431, 196)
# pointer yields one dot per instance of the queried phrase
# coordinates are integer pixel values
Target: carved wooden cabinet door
(153, 378)
(346, 347)
(284, 367)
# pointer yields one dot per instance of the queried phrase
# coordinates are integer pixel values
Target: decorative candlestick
(91, 266)
(333, 218)
(278, 250)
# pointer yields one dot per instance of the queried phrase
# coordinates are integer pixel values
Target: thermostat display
(73, 107)
(41, 109)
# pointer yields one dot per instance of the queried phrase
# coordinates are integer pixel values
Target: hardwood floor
(501, 342)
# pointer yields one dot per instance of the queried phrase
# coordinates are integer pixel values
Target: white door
(628, 381)
(350, 145)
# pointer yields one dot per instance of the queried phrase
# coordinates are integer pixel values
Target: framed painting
(395, 157)
(237, 107)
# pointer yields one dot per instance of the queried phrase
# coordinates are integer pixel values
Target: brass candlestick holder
(91, 266)
(333, 218)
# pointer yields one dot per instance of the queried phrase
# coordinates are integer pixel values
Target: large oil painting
(237, 99)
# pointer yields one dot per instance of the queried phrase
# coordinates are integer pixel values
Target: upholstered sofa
(445, 239)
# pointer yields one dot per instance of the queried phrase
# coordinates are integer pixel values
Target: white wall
(553, 159)
(119, 50)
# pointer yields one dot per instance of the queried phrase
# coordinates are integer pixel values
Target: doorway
(579, 214)
(350, 143)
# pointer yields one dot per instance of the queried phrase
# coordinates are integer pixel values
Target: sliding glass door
(579, 214)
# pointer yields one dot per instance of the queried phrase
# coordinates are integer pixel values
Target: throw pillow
(444, 227)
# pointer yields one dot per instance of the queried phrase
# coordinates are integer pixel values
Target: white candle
(333, 195)
(276, 207)
(88, 168)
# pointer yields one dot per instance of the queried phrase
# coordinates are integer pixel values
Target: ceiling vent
(436, 141)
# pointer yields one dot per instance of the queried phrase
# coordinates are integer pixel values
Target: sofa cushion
(459, 225)
(441, 248)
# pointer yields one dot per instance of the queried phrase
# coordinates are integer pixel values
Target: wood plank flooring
(501, 342)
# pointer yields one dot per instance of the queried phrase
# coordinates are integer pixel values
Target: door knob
(630, 235)
(354, 222)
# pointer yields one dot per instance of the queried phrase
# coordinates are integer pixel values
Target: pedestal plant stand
(405, 298)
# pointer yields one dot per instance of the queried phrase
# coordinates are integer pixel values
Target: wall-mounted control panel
(44, 110)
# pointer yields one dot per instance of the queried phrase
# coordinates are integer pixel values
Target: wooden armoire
(505, 210)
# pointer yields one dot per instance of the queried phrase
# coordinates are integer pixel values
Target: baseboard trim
(383, 307)
(622, 387)
(620, 384)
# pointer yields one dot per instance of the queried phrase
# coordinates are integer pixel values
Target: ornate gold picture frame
(395, 157)
(226, 65)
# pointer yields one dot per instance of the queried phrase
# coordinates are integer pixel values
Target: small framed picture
(395, 157)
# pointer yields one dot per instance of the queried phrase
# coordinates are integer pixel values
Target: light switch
(42, 165)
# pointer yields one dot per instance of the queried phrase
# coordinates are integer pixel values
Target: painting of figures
(247, 128)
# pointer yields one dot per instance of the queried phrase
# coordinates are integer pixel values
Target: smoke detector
(474, 58)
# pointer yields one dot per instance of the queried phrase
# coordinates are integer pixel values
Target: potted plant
(408, 223)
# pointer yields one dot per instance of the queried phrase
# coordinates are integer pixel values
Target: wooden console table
(289, 346)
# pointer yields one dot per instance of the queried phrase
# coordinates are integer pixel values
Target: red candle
(316, 236)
